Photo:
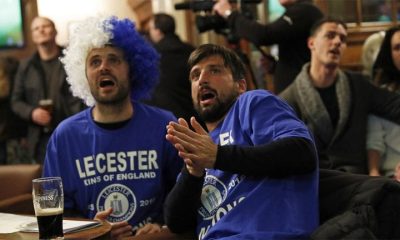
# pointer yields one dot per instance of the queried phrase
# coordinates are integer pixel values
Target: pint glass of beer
(48, 202)
(46, 104)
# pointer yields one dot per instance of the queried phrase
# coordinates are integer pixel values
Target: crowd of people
(149, 131)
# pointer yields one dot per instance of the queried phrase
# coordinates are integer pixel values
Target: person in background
(113, 157)
(383, 136)
(290, 32)
(335, 104)
(42, 77)
(12, 128)
(254, 176)
(173, 90)
(370, 51)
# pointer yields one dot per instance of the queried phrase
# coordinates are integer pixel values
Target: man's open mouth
(206, 96)
(334, 51)
(106, 83)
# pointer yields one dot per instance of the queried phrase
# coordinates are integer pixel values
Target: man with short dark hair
(173, 90)
(254, 176)
(334, 103)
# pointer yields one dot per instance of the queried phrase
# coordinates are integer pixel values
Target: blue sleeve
(173, 166)
(275, 142)
(53, 166)
(265, 118)
(174, 163)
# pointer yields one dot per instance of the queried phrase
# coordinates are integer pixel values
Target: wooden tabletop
(165, 234)
(101, 232)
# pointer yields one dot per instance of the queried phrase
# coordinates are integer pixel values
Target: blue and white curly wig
(97, 32)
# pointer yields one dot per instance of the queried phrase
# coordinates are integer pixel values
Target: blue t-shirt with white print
(235, 206)
(130, 169)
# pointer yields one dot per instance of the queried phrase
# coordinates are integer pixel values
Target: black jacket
(290, 32)
(354, 206)
(173, 91)
(30, 87)
(346, 151)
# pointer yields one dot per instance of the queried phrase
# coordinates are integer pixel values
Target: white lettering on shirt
(112, 162)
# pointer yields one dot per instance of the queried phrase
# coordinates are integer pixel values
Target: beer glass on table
(48, 202)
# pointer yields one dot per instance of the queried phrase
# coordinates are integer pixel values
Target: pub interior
(364, 19)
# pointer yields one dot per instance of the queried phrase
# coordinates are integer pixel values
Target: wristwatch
(227, 13)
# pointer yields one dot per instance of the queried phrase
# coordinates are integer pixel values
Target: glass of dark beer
(46, 104)
(48, 202)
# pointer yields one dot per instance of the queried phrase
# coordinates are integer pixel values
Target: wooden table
(165, 234)
(101, 232)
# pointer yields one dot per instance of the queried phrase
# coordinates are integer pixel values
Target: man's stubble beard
(118, 99)
(215, 112)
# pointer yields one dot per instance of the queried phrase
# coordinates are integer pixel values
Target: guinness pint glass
(48, 201)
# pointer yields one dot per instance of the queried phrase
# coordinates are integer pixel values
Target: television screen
(11, 24)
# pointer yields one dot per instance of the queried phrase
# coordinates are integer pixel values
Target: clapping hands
(196, 148)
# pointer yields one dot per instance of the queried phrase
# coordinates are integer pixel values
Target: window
(362, 12)
(275, 10)
(363, 18)
(11, 24)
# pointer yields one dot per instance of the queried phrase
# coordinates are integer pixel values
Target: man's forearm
(373, 162)
(180, 209)
(281, 158)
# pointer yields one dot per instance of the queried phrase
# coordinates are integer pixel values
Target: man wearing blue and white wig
(113, 157)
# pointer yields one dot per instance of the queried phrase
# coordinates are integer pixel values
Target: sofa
(16, 187)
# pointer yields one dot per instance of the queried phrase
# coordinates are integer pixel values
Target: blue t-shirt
(235, 206)
(130, 169)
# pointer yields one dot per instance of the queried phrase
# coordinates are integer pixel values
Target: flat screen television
(11, 24)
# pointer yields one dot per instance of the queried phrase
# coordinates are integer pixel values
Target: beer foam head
(97, 32)
(48, 211)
